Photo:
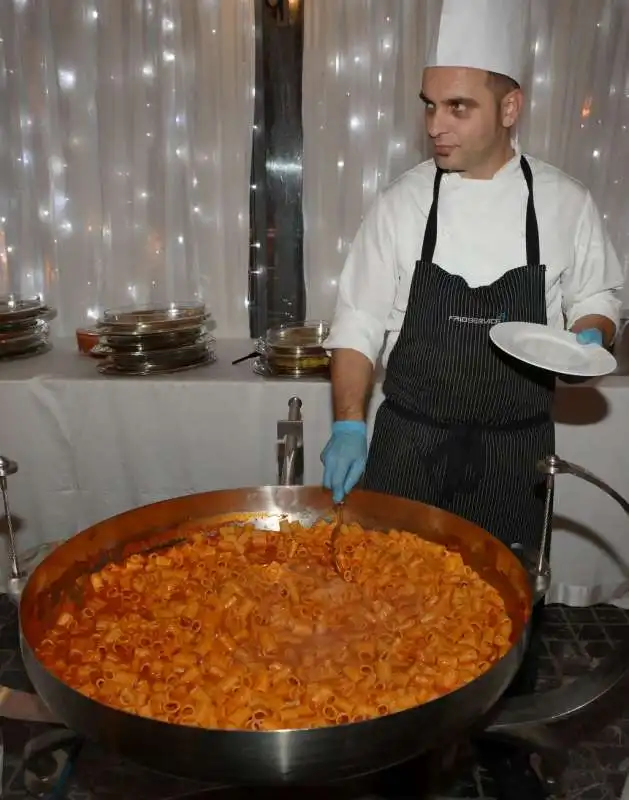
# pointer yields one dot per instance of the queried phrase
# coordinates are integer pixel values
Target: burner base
(502, 770)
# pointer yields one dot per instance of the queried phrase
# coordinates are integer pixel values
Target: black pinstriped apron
(462, 425)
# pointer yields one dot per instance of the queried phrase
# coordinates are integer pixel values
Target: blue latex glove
(590, 336)
(344, 457)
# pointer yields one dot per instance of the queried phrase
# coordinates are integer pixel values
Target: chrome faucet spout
(290, 441)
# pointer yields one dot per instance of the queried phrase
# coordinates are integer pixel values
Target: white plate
(555, 350)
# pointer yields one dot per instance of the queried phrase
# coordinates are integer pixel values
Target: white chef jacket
(480, 236)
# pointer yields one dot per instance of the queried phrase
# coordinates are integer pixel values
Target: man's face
(465, 119)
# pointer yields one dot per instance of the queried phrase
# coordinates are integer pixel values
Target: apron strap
(532, 230)
(430, 234)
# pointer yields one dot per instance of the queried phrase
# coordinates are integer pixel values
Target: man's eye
(459, 107)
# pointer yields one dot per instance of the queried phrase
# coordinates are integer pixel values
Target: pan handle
(560, 704)
(539, 580)
(553, 465)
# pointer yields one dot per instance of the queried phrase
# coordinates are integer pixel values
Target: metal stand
(17, 577)
(528, 720)
(48, 760)
(543, 750)
(290, 446)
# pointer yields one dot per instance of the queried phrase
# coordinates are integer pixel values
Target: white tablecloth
(89, 447)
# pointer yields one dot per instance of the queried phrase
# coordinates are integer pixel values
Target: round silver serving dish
(294, 350)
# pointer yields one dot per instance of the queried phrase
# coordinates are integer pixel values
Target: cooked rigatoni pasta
(238, 628)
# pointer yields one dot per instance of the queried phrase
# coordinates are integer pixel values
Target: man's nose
(435, 123)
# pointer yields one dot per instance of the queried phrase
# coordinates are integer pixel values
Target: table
(89, 447)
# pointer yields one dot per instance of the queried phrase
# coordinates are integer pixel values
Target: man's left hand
(594, 329)
(586, 337)
(590, 336)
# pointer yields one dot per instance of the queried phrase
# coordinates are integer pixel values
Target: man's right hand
(344, 457)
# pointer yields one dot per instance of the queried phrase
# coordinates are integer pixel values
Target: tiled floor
(575, 639)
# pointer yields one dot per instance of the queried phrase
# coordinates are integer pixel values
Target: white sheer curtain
(125, 138)
(363, 119)
(361, 77)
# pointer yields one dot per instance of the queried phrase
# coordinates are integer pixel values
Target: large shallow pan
(294, 756)
(269, 757)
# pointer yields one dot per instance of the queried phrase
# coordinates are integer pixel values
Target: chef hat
(484, 34)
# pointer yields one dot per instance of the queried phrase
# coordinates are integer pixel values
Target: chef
(479, 234)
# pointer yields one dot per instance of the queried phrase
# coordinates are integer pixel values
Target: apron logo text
(478, 320)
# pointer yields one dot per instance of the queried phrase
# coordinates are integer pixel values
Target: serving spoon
(338, 512)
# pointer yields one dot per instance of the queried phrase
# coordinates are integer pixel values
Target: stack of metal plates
(24, 328)
(155, 339)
